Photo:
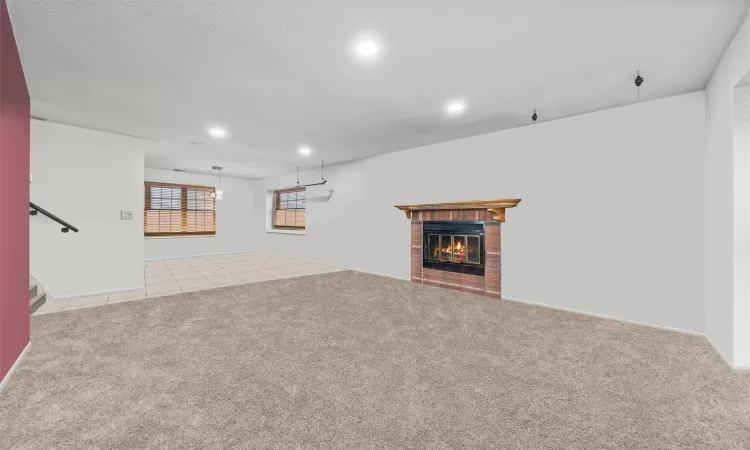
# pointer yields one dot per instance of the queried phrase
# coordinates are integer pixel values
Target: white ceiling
(278, 74)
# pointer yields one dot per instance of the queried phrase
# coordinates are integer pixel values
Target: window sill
(179, 237)
(281, 231)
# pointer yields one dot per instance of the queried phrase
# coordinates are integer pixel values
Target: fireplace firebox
(454, 246)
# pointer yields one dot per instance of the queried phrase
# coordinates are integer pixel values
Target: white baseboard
(372, 273)
(722, 355)
(90, 294)
(284, 256)
(15, 366)
(197, 255)
(338, 267)
(635, 322)
(604, 316)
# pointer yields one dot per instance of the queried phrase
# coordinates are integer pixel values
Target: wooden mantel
(496, 206)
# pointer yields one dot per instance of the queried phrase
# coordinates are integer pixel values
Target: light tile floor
(173, 276)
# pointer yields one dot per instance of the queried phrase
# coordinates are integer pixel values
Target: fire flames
(458, 251)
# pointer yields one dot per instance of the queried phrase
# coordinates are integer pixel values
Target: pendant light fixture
(218, 194)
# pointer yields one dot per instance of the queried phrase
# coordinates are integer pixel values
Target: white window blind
(174, 210)
(289, 209)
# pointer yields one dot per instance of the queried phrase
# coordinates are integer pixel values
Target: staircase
(36, 299)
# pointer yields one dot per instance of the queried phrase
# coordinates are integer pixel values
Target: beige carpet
(359, 361)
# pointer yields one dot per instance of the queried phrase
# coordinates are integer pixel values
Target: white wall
(233, 218)
(610, 221)
(86, 177)
(742, 227)
(725, 273)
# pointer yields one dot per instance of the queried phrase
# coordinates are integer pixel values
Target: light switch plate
(126, 215)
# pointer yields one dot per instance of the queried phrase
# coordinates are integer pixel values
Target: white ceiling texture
(279, 74)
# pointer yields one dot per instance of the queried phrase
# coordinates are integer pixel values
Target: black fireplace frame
(462, 228)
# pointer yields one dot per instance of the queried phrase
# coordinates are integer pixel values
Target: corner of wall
(722, 282)
(15, 366)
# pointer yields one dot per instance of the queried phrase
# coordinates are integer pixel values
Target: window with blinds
(178, 210)
(289, 209)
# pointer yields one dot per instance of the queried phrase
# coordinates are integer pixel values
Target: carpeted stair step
(36, 299)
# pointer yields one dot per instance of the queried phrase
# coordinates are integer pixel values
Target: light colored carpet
(359, 361)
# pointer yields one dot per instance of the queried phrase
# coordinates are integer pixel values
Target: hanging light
(218, 194)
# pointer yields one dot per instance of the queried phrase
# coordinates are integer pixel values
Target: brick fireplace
(457, 245)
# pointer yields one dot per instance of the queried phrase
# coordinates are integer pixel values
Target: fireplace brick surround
(491, 213)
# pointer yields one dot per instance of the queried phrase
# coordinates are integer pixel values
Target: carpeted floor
(359, 361)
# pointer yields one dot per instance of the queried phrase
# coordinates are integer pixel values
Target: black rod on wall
(322, 179)
(315, 184)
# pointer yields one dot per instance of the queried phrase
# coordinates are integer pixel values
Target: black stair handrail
(66, 226)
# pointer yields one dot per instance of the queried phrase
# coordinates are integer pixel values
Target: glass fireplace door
(454, 248)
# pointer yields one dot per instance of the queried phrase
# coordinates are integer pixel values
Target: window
(178, 210)
(289, 209)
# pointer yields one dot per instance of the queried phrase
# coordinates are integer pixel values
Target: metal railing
(66, 226)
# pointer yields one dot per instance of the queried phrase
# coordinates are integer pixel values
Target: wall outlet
(126, 215)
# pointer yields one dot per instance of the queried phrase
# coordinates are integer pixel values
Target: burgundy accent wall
(14, 199)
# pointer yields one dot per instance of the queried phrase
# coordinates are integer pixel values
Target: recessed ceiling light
(367, 48)
(304, 150)
(217, 132)
(455, 107)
